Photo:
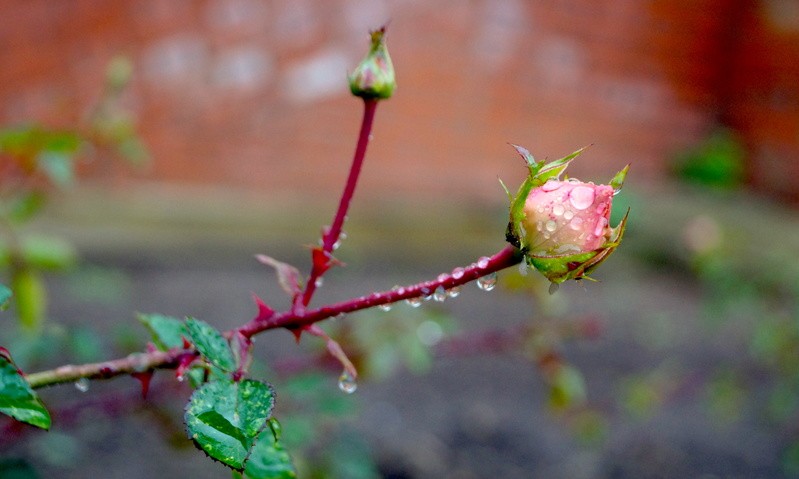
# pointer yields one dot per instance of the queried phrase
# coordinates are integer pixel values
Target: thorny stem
(332, 234)
(138, 362)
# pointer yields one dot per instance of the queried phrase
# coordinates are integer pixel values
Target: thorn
(144, 378)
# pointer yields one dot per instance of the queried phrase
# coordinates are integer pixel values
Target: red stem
(332, 234)
(508, 256)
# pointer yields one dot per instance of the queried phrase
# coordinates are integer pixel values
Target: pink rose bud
(563, 226)
(567, 217)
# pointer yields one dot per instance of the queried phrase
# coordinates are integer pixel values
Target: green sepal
(210, 344)
(224, 418)
(618, 181)
(17, 398)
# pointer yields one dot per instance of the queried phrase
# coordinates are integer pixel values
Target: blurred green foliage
(718, 161)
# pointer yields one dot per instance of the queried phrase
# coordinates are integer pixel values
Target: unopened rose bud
(563, 226)
(373, 78)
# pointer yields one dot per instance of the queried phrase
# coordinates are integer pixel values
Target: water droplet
(442, 277)
(487, 282)
(558, 210)
(342, 236)
(440, 295)
(600, 225)
(414, 302)
(319, 281)
(482, 263)
(576, 223)
(551, 226)
(523, 268)
(138, 361)
(454, 291)
(550, 185)
(82, 385)
(400, 290)
(553, 288)
(581, 197)
(457, 273)
(180, 377)
(385, 307)
(425, 290)
(339, 316)
(346, 383)
(539, 225)
(568, 214)
(337, 244)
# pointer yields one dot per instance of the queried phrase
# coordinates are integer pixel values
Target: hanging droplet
(457, 273)
(180, 377)
(553, 288)
(385, 307)
(487, 282)
(482, 263)
(454, 291)
(523, 268)
(414, 302)
(440, 294)
(319, 281)
(346, 383)
(82, 385)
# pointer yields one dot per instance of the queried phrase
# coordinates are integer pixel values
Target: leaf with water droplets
(167, 332)
(210, 344)
(223, 418)
(17, 398)
(269, 460)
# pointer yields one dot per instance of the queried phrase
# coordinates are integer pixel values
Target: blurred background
(237, 121)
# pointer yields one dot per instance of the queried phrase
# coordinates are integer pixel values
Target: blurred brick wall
(252, 94)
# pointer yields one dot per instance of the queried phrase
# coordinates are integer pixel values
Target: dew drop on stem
(414, 302)
(487, 282)
(440, 294)
(454, 291)
(346, 383)
(385, 307)
(482, 263)
(82, 385)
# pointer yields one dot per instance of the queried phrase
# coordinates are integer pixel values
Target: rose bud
(563, 226)
(373, 78)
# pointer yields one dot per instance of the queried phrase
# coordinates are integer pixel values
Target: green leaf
(17, 399)
(5, 296)
(24, 206)
(288, 276)
(269, 460)
(223, 418)
(58, 167)
(211, 344)
(555, 168)
(167, 332)
(42, 252)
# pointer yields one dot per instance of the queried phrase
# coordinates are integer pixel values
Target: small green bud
(373, 78)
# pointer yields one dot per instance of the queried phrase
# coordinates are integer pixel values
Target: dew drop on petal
(539, 226)
(487, 282)
(576, 223)
(550, 185)
(581, 197)
(482, 263)
(440, 294)
(346, 383)
(600, 226)
(558, 210)
(551, 226)
(568, 214)
(82, 385)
